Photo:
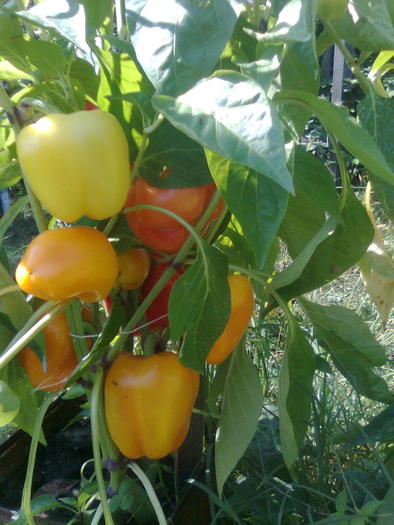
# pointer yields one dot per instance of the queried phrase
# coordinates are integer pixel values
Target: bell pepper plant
(168, 159)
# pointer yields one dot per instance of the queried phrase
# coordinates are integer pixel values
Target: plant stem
(9, 108)
(95, 426)
(170, 271)
(365, 83)
(9, 289)
(26, 494)
(150, 492)
(110, 225)
(121, 21)
(346, 188)
(30, 330)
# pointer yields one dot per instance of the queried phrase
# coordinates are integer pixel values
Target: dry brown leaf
(377, 270)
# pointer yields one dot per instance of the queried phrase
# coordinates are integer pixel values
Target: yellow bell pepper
(76, 164)
(148, 403)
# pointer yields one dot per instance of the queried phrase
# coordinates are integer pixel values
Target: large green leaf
(173, 149)
(178, 43)
(300, 70)
(295, 393)
(352, 346)
(302, 222)
(231, 115)
(266, 202)
(241, 407)
(377, 115)
(339, 251)
(45, 56)
(199, 306)
(12, 41)
(368, 26)
(66, 17)
(119, 74)
(9, 72)
(345, 128)
(99, 16)
(314, 182)
(293, 24)
(83, 72)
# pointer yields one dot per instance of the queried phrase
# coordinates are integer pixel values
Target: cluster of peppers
(148, 399)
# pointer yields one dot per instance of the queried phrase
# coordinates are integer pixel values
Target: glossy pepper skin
(134, 266)
(157, 230)
(148, 403)
(158, 309)
(68, 262)
(60, 357)
(242, 304)
(76, 164)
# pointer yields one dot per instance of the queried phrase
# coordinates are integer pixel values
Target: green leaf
(345, 128)
(294, 270)
(386, 511)
(231, 115)
(379, 429)
(301, 223)
(300, 70)
(295, 393)
(293, 24)
(369, 26)
(13, 304)
(9, 404)
(83, 71)
(314, 182)
(177, 43)
(9, 72)
(17, 380)
(10, 174)
(12, 41)
(233, 244)
(66, 17)
(176, 151)
(47, 57)
(119, 74)
(241, 407)
(261, 218)
(265, 68)
(352, 346)
(199, 306)
(9, 216)
(337, 253)
(99, 15)
(377, 115)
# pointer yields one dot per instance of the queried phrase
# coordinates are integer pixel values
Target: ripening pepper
(242, 304)
(148, 403)
(60, 358)
(158, 230)
(76, 164)
(134, 266)
(68, 262)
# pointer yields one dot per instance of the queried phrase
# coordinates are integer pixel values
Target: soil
(57, 468)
